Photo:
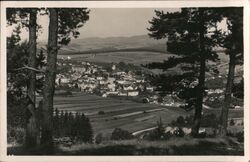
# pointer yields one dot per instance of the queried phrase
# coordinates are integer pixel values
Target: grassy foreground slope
(173, 146)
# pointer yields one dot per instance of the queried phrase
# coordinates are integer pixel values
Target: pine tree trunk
(49, 86)
(236, 48)
(201, 80)
(32, 129)
(227, 100)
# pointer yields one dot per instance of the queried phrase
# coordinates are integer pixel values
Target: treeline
(76, 126)
(113, 49)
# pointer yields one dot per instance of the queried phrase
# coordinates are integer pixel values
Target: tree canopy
(25, 61)
(191, 35)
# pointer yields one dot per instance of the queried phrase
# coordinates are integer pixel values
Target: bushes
(215, 103)
(216, 83)
(179, 132)
(16, 111)
(238, 89)
(232, 123)
(65, 124)
(183, 122)
(101, 112)
(154, 135)
(98, 138)
(16, 118)
(238, 135)
(210, 120)
(158, 133)
(15, 135)
(120, 134)
(160, 129)
(207, 120)
(180, 121)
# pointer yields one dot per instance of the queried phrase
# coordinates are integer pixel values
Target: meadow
(135, 57)
(125, 114)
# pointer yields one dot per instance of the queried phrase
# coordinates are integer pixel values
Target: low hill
(135, 49)
(112, 44)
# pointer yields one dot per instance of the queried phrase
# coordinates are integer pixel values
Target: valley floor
(128, 115)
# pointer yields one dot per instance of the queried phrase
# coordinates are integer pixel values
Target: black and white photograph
(153, 81)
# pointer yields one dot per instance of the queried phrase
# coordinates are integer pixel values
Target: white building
(151, 89)
(113, 67)
(111, 86)
(133, 93)
(104, 95)
(112, 93)
(122, 93)
(121, 81)
(120, 73)
(110, 79)
(140, 80)
(65, 80)
(79, 69)
(218, 91)
(99, 78)
(128, 88)
(102, 82)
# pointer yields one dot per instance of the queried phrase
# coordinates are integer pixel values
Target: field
(140, 57)
(133, 57)
(124, 114)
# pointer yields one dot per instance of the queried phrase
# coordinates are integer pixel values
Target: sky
(108, 22)
(118, 22)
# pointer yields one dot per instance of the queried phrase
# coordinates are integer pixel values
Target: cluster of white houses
(92, 78)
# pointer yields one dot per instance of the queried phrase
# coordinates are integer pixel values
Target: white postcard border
(124, 4)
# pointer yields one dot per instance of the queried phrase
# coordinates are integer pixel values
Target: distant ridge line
(110, 51)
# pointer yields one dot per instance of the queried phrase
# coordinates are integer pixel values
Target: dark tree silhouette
(32, 130)
(190, 36)
(27, 18)
(233, 43)
(49, 86)
(64, 24)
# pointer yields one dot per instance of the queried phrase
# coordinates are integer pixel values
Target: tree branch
(30, 68)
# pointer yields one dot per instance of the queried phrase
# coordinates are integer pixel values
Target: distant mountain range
(112, 44)
(135, 49)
